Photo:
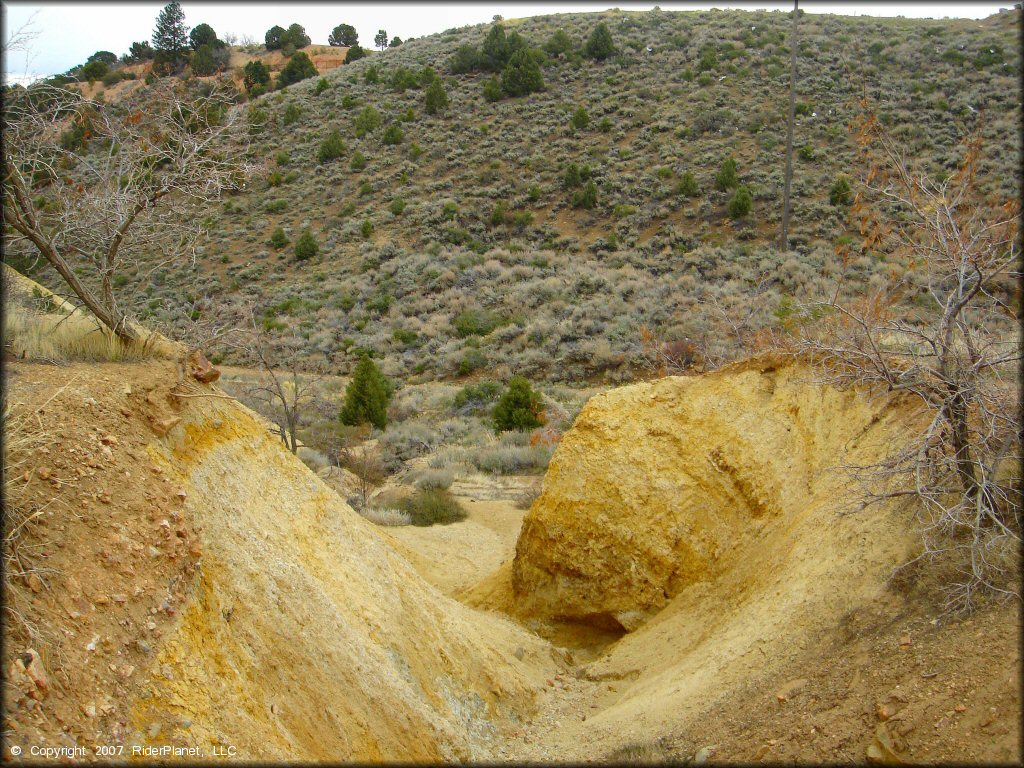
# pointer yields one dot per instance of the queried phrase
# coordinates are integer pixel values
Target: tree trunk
(119, 325)
(966, 467)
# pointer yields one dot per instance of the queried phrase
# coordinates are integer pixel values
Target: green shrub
(740, 204)
(472, 360)
(366, 396)
(321, 86)
(393, 135)
(492, 89)
(291, 114)
(841, 193)
(404, 336)
(331, 148)
(367, 121)
(580, 118)
(522, 74)
(275, 206)
(278, 239)
(605, 126)
(522, 219)
(306, 246)
(498, 214)
(95, 70)
(586, 197)
(437, 97)
(726, 177)
(397, 206)
(474, 322)
(466, 59)
(806, 152)
(255, 77)
(988, 56)
(431, 506)
(519, 407)
(358, 161)
(559, 43)
(299, 67)
(687, 185)
(600, 44)
(574, 176)
(473, 398)
(366, 228)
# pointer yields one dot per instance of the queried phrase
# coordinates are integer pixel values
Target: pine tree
(494, 52)
(726, 177)
(437, 98)
(381, 39)
(299, 67)
(522, 75)
(740, 204)
(256, 77)
(367, 396)
(306, 246)
(343, 35)
(599, 44)
(519, 408)
(203, 34)
(170, 37)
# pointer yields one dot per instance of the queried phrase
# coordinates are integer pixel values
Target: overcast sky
(68, 33)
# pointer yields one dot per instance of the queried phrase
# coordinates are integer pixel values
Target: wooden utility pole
(784, 240)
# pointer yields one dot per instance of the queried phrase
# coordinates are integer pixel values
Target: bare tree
(958, 359)
(285, 390)
(93, 188)
(365, 463)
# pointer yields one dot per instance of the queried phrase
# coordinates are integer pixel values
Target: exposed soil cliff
(294, 630)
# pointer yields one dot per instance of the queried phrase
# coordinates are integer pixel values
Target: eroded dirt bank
(193, 584)
(293, 630)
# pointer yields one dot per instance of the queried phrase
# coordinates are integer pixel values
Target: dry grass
(56, 337)
(40, 325)
(386, 516)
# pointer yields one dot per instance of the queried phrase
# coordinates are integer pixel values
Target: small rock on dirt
(703, 754)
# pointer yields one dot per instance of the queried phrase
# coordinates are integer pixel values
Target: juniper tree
(367, 396)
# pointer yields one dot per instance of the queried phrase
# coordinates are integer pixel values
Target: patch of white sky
(63, 35)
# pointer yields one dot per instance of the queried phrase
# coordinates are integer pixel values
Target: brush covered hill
(465, 240)
(126, 79)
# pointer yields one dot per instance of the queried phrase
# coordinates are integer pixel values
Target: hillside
(416, 265)
(324, 58)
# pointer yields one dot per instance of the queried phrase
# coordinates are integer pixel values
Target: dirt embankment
(292, 630)
(709, 516)
(190, 583)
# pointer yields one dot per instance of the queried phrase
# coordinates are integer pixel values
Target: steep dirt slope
(290, 629)
(664, 488)
(702, 514)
